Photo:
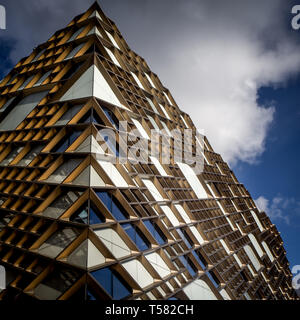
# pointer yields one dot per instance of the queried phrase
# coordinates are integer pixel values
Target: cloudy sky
(233, 65)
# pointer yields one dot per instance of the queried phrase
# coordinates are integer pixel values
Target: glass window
(158, 166)
(112, 39)
(113, 205)
(61, 204)
(166, 128)
(61, 173)
(7, 104)
(164, 111)
(96, 217)
(21, 110)
(11, 156)
(137, 80)
(81, 215)
(111, 117)
(56, 283)
(198, 256)
(150, 80)
(153, 190)
(156, 232)
(75, 34)
(154, 124)
(68, 115)
(152, 105)
(74, 51)
(187, 240)
(25, 83)
(212, 277)
(66, 142)
(140, 129)
(136, 236)
(112, 283)
(54, 245)
(42, 78)
(30, 156)
(186, 261)
(38, 55)
(112, 56)
(193, 180)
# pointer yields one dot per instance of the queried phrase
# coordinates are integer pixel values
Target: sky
(233, 65)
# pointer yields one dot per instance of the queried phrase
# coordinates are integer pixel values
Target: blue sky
(276, 175)
(234, 66)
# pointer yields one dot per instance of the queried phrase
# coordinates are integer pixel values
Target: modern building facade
(76, 226)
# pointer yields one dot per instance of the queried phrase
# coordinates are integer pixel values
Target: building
(75, 226)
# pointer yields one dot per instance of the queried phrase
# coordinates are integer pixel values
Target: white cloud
(214, 55)
(216, 58)
(279, 208)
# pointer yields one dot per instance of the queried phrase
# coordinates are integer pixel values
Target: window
(136, 236)
(96, 217)
(68, 115)
(112, 283)
(165, 112)
(189, 265)
(113, 205)
(186, 238)
(150, 80)
(158, 264)
(112, 56)
(252, 257)
(30, 156)
(184, 121)
(21, 110)
(81, 215)
(75, 34)
(152, 105)
(42, 78)
(112, 39)
(7, 104)
(198, 256)
(114, 243)
(137, 80)
(158, 166)
(153, 190)
(254, 215)
(111, 117)
(61, 173)
(11, 156)
(154, 124)
(167, 97)
(213, 278)
(74, 51)
(54, 245)
(138, 272)
(268, 251)
(193, 180)
(256, 245)
(171, 216)
(66, 142)
(156, 232)
(183, 213)
(61, 204)
(113, 174)
(56, 283)
(140, 129)
(38, 55)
